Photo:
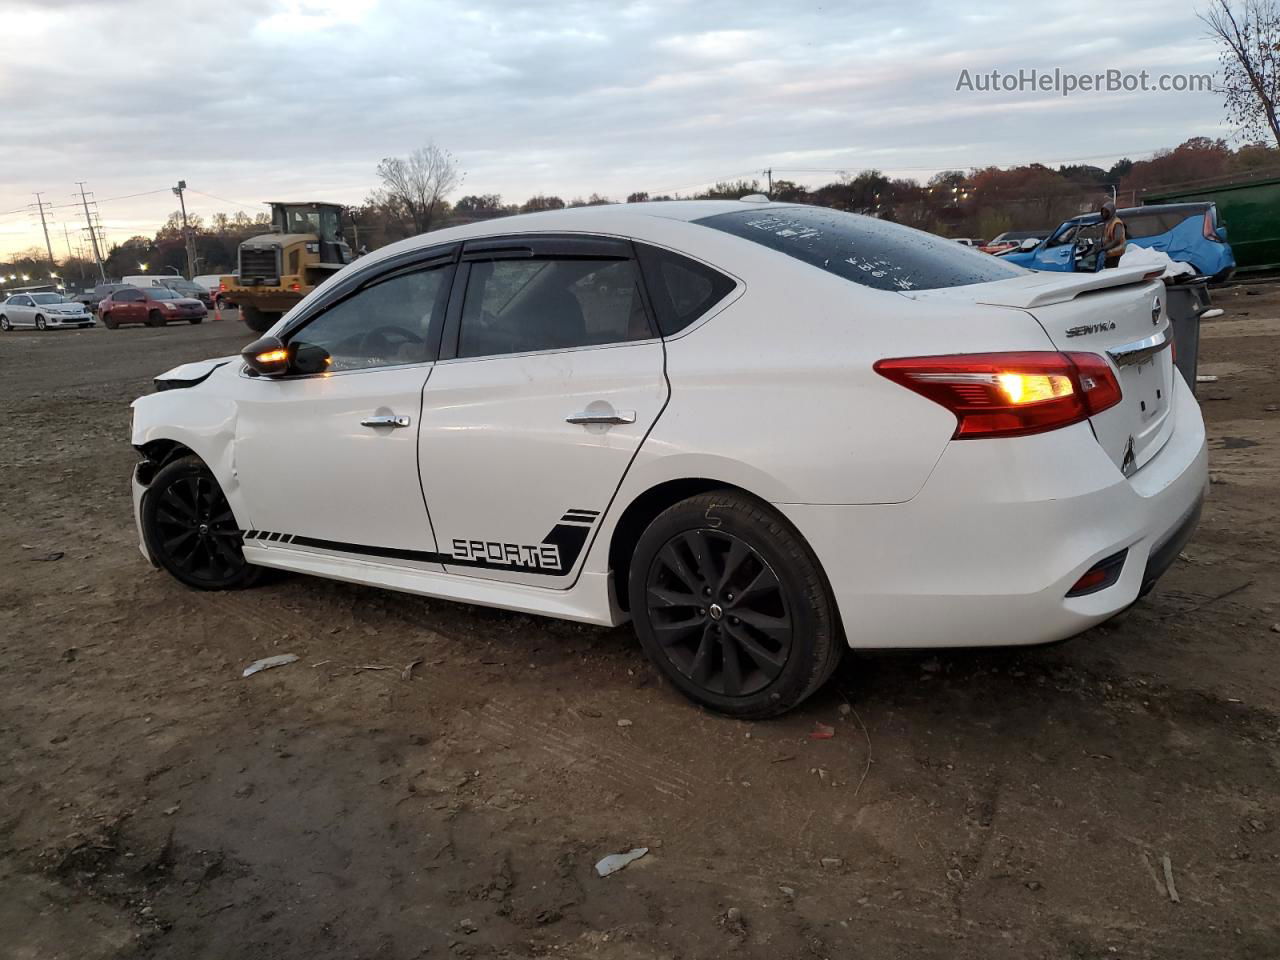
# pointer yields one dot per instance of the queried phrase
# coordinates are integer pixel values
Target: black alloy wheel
(732, 605)
(191, 530)
(719, 612)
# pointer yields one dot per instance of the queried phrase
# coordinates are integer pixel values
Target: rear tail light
(1210, 230)
(1010, 394)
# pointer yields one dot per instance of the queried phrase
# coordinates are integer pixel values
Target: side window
(390, 323)
(682, 289)
(520, 306)
(127, 296)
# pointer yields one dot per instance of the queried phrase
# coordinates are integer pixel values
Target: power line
(234, 203)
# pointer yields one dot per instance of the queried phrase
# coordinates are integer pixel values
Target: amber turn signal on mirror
(267, 356)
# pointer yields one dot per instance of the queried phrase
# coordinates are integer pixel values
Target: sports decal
(555, 556)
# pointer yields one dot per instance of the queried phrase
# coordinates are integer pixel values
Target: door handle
(387, 421)
(617, 417)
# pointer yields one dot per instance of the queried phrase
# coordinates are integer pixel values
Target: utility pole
(93, 234)
(769, 173)
(40, 205)
(186, 231)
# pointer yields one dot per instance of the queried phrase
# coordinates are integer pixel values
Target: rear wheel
(732, 606)
(40, 324)
(155, 319)
(259, 321)
(191, 531)
(107, 321)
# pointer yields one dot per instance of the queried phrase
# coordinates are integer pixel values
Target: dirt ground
(1022, 803)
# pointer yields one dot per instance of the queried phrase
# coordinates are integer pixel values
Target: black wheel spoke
(718, 612)
(770, 663)
(675, 563)
(181, 537)
(667, 597)
(700, 669)
(732, 665)
(777, 628)
(761, 583)
(677, 630)
(738, 552)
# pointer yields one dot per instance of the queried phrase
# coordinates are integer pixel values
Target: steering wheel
(385, 340)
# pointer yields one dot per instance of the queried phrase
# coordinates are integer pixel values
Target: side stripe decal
(568, 537)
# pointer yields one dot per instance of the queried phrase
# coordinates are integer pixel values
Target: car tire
(190, 530)
(259, 321)
(4, 324)
(194, 320)
(107, 321)
(40, 323)
(732, 605)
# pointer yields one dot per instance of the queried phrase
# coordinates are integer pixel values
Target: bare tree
(417, 185)
(1249, 33)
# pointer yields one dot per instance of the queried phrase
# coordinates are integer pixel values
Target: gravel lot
(1021, 803)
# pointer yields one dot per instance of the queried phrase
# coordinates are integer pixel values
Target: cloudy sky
(298, 99)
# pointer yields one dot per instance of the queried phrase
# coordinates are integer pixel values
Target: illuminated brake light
(295, 287)
(1010, 394)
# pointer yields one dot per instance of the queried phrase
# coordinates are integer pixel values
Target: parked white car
(42, 311)
(762, 432)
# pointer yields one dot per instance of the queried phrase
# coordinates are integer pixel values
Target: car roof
(606, 218)
(1199, 206)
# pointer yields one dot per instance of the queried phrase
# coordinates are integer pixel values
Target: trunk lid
(1119, 314)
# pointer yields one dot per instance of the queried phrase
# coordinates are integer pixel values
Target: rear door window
(550, 303)
(682, 289)
(870, 252)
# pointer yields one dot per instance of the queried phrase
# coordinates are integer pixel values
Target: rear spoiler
(1043, 287)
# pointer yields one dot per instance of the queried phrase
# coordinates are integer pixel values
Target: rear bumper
(986, 553)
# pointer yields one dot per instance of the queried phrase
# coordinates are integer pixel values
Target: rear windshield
(874, 253)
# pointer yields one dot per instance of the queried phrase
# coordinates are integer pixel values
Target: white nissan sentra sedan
(763, 432)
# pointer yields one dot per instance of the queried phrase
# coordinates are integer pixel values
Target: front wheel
(191, 531)
(4, 324)
(155, 319)
(259, 321)
(40, 324)
(731, 604)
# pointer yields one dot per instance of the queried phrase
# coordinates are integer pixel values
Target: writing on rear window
(870, 252)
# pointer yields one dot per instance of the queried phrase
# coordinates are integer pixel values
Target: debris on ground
(407, 672)
(49, 557)
(822, 731)
(932, 665)
(624, 723)
(617, 861)
(371, 666)
(831, 863)
(1206, 378)
(1168, 879)
(266, 663)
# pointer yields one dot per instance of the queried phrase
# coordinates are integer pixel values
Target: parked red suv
(154, 306)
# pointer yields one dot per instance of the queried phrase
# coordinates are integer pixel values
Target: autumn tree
(1249, 34)
(415, 187)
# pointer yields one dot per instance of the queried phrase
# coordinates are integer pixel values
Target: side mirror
(309, 358)
(1030, 243)
(267, 356)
